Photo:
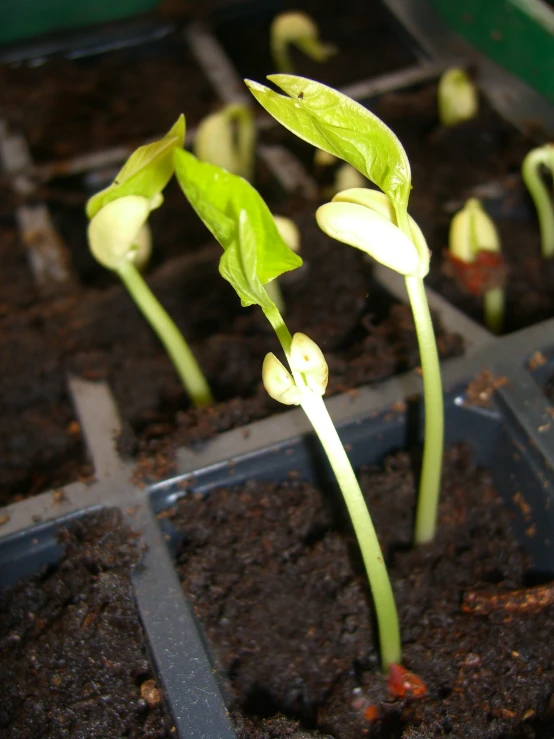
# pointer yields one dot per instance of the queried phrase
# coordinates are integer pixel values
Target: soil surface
(70, 107)
(480, 158)
(275, 577)
(367, 38)
(74, 656)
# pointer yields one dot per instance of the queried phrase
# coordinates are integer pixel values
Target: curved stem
(183, 359)
(272, 314)
(381, 589)
(530, 171)
(281, 56)
(429, 485)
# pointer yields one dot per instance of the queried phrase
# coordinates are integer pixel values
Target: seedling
(458, 100)
(254, 255)
(324, 159)
(543, 156)
(377, 223)
(300, 30)
(474, 254)
(227, 138)
(118, 226)
(347, 178)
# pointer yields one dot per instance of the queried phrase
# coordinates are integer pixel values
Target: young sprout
(254, 254)
(458, 100)
(299, 29)
(543, 156)
(288, 231)
(347, 178)
(324, 159)
(118, 230)
(378, 224)
(291, 236)
(227, 138)
(474, 253)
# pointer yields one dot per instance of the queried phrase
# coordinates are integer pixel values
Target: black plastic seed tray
(513, 436)
(496, 432)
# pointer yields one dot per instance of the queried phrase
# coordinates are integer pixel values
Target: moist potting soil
(275, 578)
(74, 657)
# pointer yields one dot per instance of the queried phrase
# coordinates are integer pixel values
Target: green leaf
(237, 216)
(145, 173)
(337, 124)
(239, 263)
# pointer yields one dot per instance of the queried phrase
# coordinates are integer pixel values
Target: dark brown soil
(74, 657)
(276, 580)
(368, 41)
(448, 164)
(68, 107)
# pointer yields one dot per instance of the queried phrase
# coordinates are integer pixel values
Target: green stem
(281, 56)
(493, 308)
(429, 485)
(314, 408)
(530, 171)
(431, 469)
(383, 597)
(183, 359)
(272, 314)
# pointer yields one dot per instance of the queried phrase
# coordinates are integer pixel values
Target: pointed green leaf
(238, 265)
(339, 125)
(237, 216)
(145, 173)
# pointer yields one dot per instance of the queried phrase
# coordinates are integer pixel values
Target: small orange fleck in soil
(537, 360)
(59, 496)
(88, 619)
(480, 390)
(522, 504)
(401, 682)
(74, 428)
(4, 518)
(399, 406)
(531, 531)
(165, 514)
(507, 714)
(150, 693)
(151, 467)
(371, 713)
